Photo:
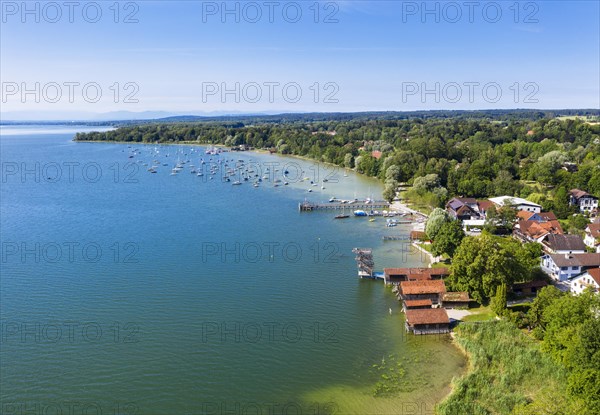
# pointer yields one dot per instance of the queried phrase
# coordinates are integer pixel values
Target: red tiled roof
(594, 230)
(422, 287)
(418, 235)
(536, 230)
(427, 316)
(484, 205)
(547, 216)
(412, 271)
(523, 214)
(418, 303)
(376, 154)
(595, 274)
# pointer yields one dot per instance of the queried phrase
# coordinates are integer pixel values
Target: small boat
(255, 185)
(341, 216)
(236, 183)
(372, 220)
(285, 183)
(309, 190)
(360, 213)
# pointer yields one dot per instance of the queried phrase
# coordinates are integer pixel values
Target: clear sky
(275, 56)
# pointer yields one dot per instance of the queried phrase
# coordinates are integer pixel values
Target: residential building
(590, 278)
(563, 267)
(563, 244)
(535, 226)
(585, 201)
(463, 208)
(516, 202)
(592, 236)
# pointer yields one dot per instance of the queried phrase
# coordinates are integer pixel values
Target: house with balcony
(563, 267)
(586, 202)
(592, 236)
(590, 278)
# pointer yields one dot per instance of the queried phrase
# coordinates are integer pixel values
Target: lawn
(480, 313)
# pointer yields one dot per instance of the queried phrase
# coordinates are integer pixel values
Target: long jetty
(376, 204)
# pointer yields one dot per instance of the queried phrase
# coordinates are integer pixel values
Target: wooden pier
(396, 238)
(377, 204)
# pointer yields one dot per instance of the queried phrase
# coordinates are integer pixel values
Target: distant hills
(128, 118)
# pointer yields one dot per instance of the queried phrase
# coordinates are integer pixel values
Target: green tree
(562, 318)
(448, 238)
(435, 221)
(482, 263)
(545, 297)
(498, 303)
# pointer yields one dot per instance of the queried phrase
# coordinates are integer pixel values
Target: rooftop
(594, 230)
(513, 201)
(578, 194)
(427, 316)
(576, 260)
(418, 303)
(416, 273)
(536, 230)
(423, 287)
(564, 242)
(456, 297)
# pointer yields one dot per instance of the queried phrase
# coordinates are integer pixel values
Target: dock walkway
(309, 206)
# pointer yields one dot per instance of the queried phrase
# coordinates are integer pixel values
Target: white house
(585, 201)
(563, 267)
(590, 278)
(516, 202)
(592, 236)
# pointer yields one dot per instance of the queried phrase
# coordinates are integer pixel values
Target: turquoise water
(130, 292)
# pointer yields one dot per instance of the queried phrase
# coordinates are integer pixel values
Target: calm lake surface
(125, 292)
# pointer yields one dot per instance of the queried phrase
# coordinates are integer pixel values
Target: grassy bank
(507, 375)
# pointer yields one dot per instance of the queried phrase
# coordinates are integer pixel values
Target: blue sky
(179, 57)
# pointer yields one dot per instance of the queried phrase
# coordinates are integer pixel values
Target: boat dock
(396, 238)
(309, 206)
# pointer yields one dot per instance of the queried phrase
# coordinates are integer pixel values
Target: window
(564, 268)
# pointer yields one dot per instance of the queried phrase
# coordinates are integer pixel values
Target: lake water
(128, 292)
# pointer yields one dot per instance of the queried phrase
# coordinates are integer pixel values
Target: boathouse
(398, 275)
(422, 290)
(416, 304)
(427, 321)
(455, 300)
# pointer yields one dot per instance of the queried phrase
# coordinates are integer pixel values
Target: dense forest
(443, 154)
